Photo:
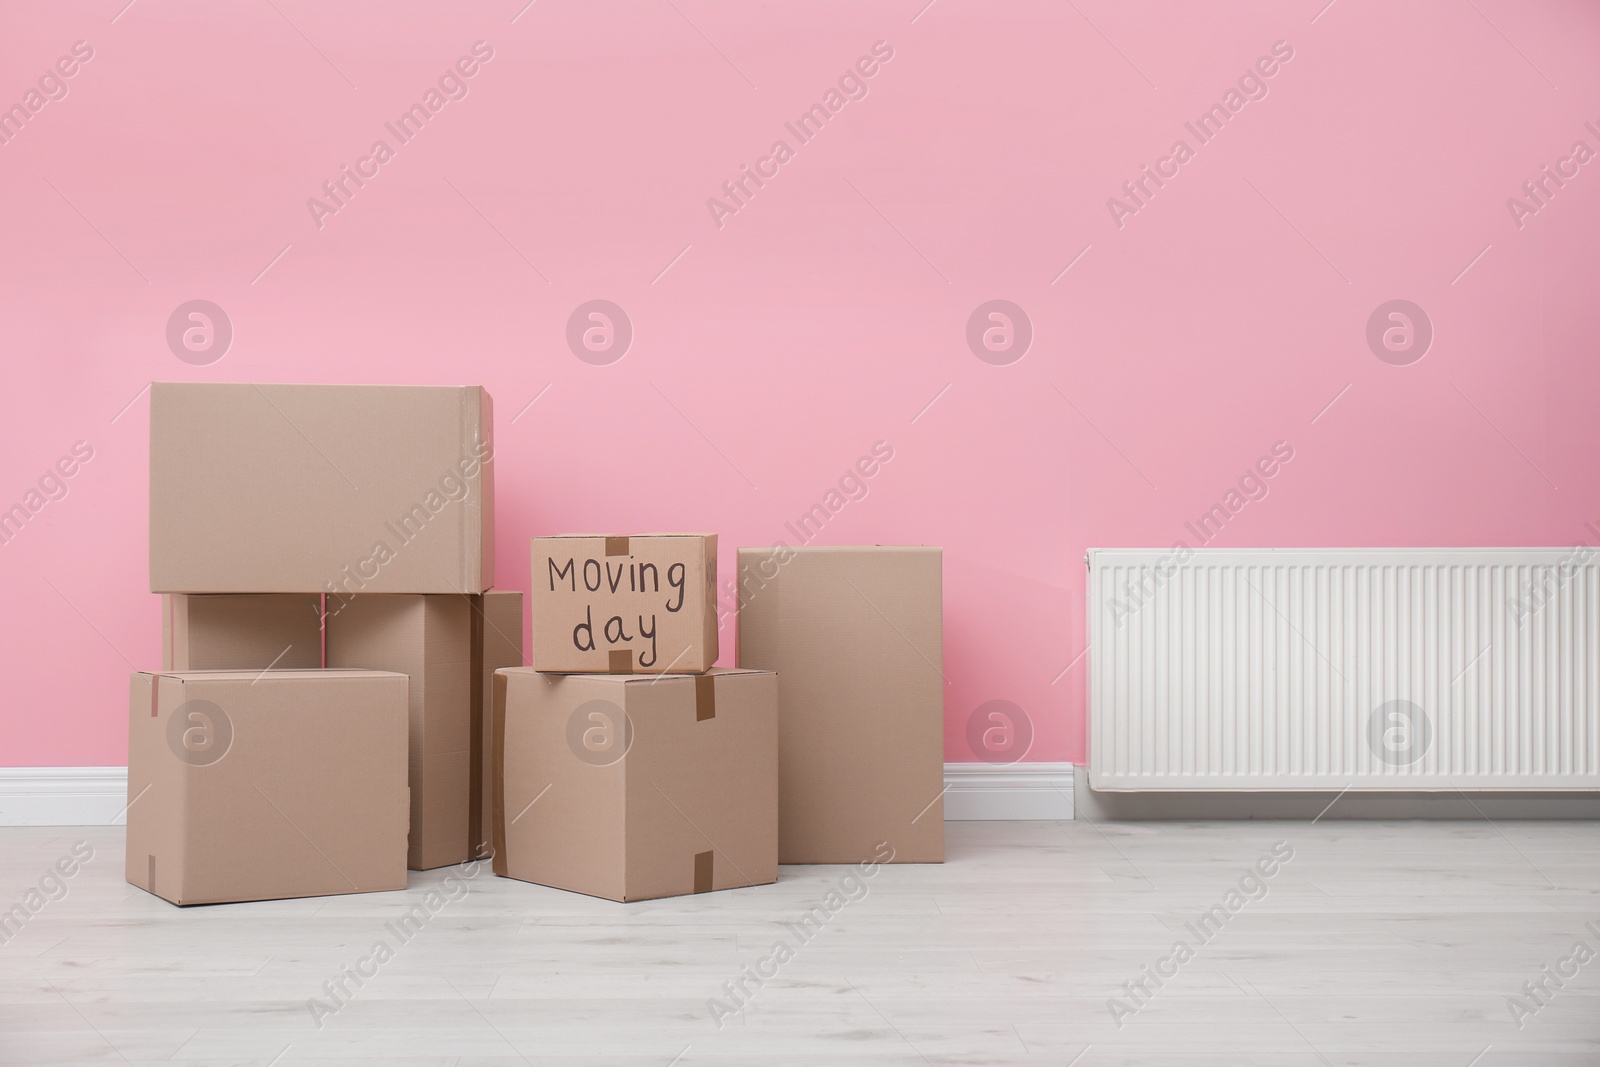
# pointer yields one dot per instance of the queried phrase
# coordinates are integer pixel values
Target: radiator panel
(1374, 669)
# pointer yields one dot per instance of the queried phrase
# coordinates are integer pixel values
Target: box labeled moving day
(248, 632)
(250, 785)
(428, 638)
(632, 788)
(856, 636)
(336, 489)
(496, 643)
(625, 605)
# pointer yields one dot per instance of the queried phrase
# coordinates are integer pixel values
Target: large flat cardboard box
(338, 489)
(625, 605)
(245, 785)
(496, 643)
(856, 636)
(248, 632)
(635, 788)
(428, 638)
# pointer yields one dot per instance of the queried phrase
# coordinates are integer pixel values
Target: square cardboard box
(632, 788)
(250, 785)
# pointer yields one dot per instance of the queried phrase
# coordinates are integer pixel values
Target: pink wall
(1219, 318)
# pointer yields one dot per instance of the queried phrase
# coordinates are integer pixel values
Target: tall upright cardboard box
(252, 785)
(856, 636)
(625, 605)
(337, 489)
(427, 637)
(496, 643)
(254, 631)
(633, 788)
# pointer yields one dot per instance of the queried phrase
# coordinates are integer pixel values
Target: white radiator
(1378, 669)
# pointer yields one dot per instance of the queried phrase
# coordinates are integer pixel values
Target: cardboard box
(856, 635)
(245, 785)
(428, 638)
(634, 788)
(337, 489)
(625, 605)
(496, 643)
(250, 632)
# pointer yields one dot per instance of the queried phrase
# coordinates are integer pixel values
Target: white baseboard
(63, 796)
(990, 791)
(98, 796)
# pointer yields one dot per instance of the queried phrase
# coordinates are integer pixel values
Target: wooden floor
(1391, 945)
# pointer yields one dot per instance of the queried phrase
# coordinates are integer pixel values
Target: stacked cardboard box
(342, 693)
(329, 636)
(625, 605)
(628, 767)
(632, 786)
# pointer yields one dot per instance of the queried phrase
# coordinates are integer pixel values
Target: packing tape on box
(705, 698)
(616, 546)
(702, 872)
(705, 707)
(620, 662)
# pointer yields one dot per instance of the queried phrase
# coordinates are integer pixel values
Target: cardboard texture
(625, 605)
(856, 636)
(632, 788)
(337, 489)
(496, 643)
(251, 632)
(244, 785)
(428, 638)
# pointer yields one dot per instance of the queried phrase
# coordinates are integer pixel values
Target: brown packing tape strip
(155, 695)
(151, 876)
(619, 662)
(702, 872)
(616, 546)
(501, 682)
(705, 698)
